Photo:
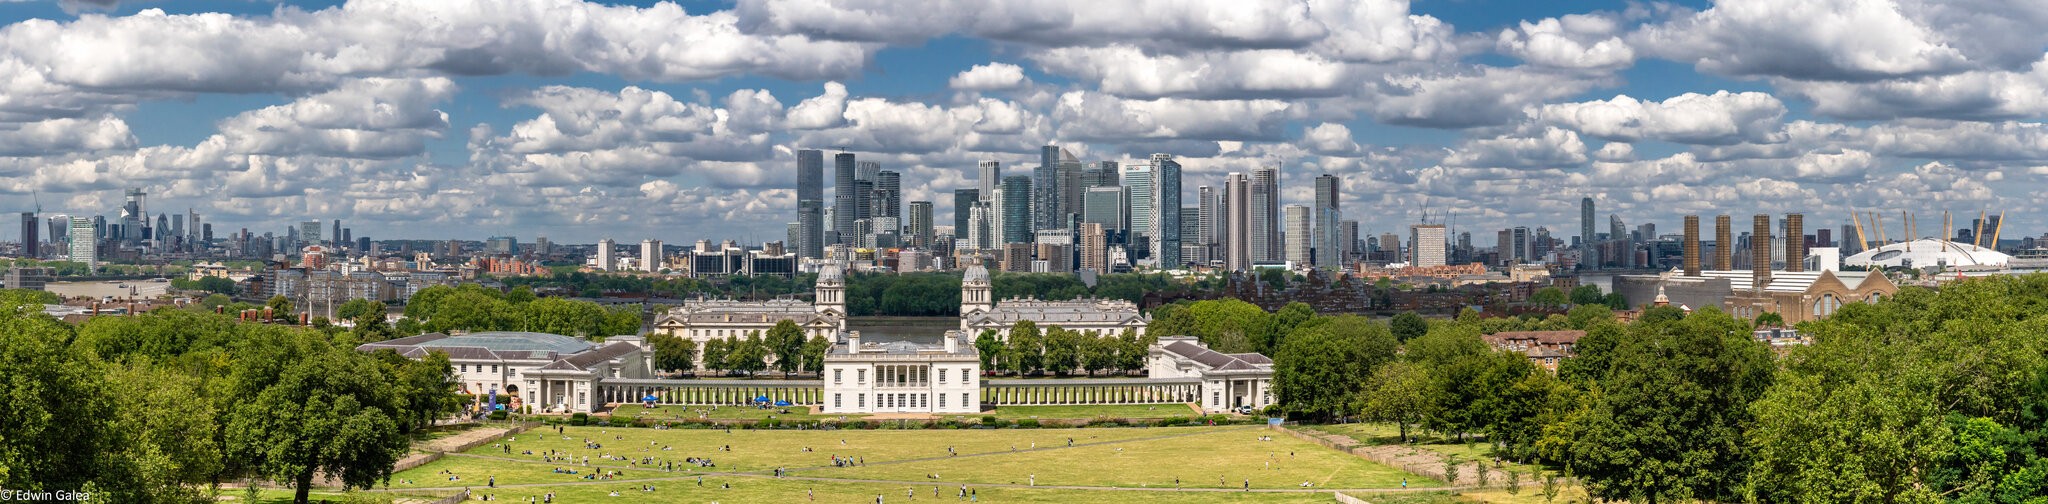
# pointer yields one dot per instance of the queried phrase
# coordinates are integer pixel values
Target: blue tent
(650, 398)
(761, 399)
(781, 403)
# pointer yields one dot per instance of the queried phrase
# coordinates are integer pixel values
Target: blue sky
(575, 120)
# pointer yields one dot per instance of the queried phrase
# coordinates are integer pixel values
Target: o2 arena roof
(1928, 252)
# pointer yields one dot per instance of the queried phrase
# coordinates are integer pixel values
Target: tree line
(165, 406)
(1060, 351)
(1925, 396)
(473, 307)
(783, 347)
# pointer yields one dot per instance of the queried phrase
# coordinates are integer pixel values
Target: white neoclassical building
(902, 377)
(1229, 381)
(551, 372)
(708, 319)
(1094, 317)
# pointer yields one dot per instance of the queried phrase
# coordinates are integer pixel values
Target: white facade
(650, 255)
(1229, 381)
(606, 261)
(902, 377)
(548, 371)
(705, 320)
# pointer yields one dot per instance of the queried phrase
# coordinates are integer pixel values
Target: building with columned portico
(551, 372)
(1229, 381)
(902, 376)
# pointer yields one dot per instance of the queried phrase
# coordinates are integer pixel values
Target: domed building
(1925, 253)
(703, 320)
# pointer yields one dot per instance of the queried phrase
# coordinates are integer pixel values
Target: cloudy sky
(574, 120)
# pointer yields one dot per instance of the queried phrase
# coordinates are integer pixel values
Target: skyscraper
(31, 228)
(1327, 215)
(1427, 242)
(1348, 243)
(1237, 220)
(336, 235)
(1795, 242)
(650, 255)
(1209, 209)
(888, 199)
(843, 197)
(1108, 206)
(1166, 224)
(1045, 189)
(991, 175)
(921, 230)
(1760, 252)
(606, 260)
(1100, 174)
(1724, 243)
(309, 232)
(1297, 236)
(1618, 231)
(810, 203)
(133, 217)
(84, 243)
(1072, 190)
(1139, 179)
(1016, 211)
(963, 203)
(1265, 213)
(1586, 237)
(1691, 246)
(1094, 247)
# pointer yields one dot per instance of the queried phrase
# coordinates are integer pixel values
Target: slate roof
(585, 360)
(1218, 361)
(1051, 313)
(489, 345)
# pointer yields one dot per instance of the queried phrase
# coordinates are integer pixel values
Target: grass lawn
(760, 489)
(1081, 412)
(1150, 457)
(1196, 455)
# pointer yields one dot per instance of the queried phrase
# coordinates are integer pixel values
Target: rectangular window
(942, 376)
(465, 368)
(835, 402)
(1215, 398)
(963, 400)
(494, 368)
(838, 376)
(860, 401)
(860, 377)
(942, 400)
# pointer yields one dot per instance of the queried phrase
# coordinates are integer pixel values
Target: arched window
(1826, 305)
(1875, 297)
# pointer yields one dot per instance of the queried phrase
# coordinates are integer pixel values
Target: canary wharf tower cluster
(1061, 214)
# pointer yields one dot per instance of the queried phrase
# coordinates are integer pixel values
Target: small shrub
(990, 420)
(499, 415)
(579, 419)
(1027, 423)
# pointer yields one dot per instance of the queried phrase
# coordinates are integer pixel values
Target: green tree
(1228, 325)
(1670, 421)
(715, 352)
(786, 342)
(1274, 278)
(1062, 350)
(1132, 350)
(1615, 301)
(426, 388)
(1319, 369)
(814, 354)
(329, 413)
(280, 308)
(1282, 323)
(1399, 392)
(673, 353)
(520, 295)
(990, 348)
(354, 307)
(165, 449)
(1172, 319)
(1770, 319)
(623, 320)
(1026, 349)
(1551, 296)
(1098, 353)
(561, 316)
(1588, 294)
(1407, 326)
(52, 429)
(748, 355)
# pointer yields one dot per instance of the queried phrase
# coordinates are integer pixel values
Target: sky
(434, 119)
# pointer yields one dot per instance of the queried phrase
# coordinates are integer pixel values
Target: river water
(913, 329)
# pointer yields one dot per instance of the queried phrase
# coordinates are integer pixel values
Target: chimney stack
(1692, 245)
(1760, 252)
(1724, 243)
(1795, 243)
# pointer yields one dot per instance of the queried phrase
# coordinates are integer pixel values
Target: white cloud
(64, 135)
(1849, 163)
(1487, 96)
(1575, 41)
(1850, 39)
(822, 111)
(1127, 70)
(1099, 117)
(1554, 148)
(990, 77)
(367, 118)
(1975, 95)
(1719, 118)
(1330, 139)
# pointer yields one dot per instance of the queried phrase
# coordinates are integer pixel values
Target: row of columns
(1010, 395)
(798, 395)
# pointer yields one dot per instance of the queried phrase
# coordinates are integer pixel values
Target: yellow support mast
(1857, 220)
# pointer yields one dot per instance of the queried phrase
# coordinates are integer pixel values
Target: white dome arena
(1924, 253)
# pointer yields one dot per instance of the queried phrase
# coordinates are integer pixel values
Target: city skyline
(1507, 116)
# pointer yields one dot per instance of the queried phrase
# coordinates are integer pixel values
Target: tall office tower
(1823, 237)
(1327, 214)
(542, 247)
(650, 255)
(348, 236)
(1464, 246)
(133, 217)
(1296, 220)
(59, 226)
(1139, 178)
(177, 228)
(921, 229)
(309, 232)
(1094, 248)
(192, 220)
(336, 235)
(1072, 190)
(1016, 211)
(1265, 213)
(1108, 206)
(1390, 244)
(990, 176)
(1849, 244)
(158, 233)
(206, 234)
(1348, 242)
(1692, 246)
(963, 202)
(1190, 227)
(84, 243)
(1760, 251)
(844, 197)
(867, 170)
(1587, 240)
(1795, 243)
(863, 199)
(1045, 190)
(810, 204)
(1209, 211)
(607, 260)
(1166, 236)
(888, 199)
(1427, 241)
(1724, 243)
(31, 227)
(980, 226)
(1237, 242)
(1618, 231)
(1102, 173)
